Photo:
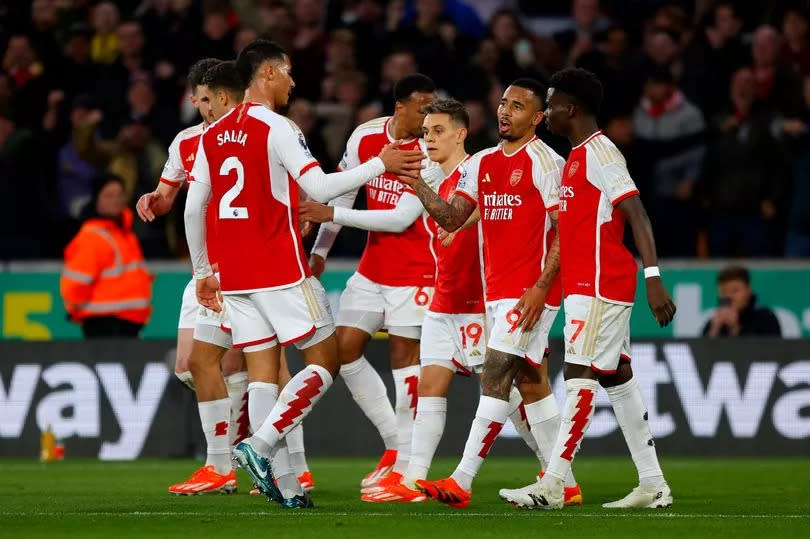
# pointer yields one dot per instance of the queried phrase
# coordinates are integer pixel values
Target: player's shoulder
(266, 115)
(603, 152)
(545, 156)
(189, 133)
(477, 156)
(371, 127)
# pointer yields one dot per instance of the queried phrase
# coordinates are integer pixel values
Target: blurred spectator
(611, 61)
(745, 174)
(670, 138)
(105, 44)
(479, 135)
(44, 31)
(737, 314)
(75, 175)
(30, 84)
(302, 113)
(308, 46)
(796, 49)
(78, 73)
(105, 284)
(216, 39)
(776, 85)
(796, 131)
(581, 39)
(716, 52)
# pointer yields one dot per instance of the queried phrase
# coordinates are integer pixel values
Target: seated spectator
(796, 50)
(796, 133)
(105, 284)
(74, 174)
(670, 139)
(737, 314)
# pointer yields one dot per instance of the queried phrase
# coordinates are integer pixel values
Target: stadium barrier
(31, 308)
(119, 400)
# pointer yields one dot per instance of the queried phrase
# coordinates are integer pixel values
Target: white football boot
(644, 498)
(547, 494)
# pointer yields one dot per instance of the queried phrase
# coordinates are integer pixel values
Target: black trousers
(99, 327)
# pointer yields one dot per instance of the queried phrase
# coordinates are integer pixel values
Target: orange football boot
(204, 481)
(445, 491)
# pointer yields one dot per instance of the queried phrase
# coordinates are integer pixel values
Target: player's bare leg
(368, 391)
(543, 421)
(215, 414)
(185, 336)
(631, 414)
(405, 370)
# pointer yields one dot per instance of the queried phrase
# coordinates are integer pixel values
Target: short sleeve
(290, 147)
(607, 170)
(200, 172)
(467, 186)
(546, 177)
(173, 172)
(351, 156)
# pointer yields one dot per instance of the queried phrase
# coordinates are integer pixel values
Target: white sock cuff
(405, 372)
(492, 409)
(354, 367)
(542, 410)
(207, 405)
(323, 373)
(236, 378)
(621, 390)
(515, 398)
(267, 386)
(185, 378)
(431, 404)
(581, 383)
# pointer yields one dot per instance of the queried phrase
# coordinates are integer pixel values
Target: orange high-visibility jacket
(105, 274)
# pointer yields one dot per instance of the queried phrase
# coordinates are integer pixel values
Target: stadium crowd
(709, 101)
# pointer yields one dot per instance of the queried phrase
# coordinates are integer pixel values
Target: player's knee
(623, 374)
(404, 352)
(232, 362)
(350, 345)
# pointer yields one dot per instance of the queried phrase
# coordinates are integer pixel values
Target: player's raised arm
(661, 304)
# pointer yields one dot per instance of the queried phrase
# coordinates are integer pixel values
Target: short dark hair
(734, 273)
(452, 108)
(224, 76)
(252, 57)
(581, 85)
(533, 85)
(198, 70)
(415, 82)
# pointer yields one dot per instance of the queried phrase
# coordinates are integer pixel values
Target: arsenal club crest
(515, 177)
(573, 168)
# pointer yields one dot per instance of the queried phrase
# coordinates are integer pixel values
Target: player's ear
(461, 135)
(538, 117)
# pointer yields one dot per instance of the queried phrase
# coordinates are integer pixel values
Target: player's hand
(530, 305)
(151, 205)
(315, 212)
(403, 163)
(208, 293)
(661, 305)
(317, 264)
(446, 238)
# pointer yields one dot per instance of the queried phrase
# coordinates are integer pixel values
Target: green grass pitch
(713, 497)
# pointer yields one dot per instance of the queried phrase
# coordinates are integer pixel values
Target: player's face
(442, 136)
(558, 113)
(518, 114)
(283, 82)
(410, 112)
(205, 100)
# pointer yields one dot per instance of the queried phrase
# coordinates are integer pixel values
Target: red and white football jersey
(251, 158)
(390, 258)
(177, 171)
(593, 258)
(514, 194)
(459, 279)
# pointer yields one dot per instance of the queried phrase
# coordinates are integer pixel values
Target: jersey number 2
(226, 211)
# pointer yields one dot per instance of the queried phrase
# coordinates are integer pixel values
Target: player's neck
(582, 131)
(397, 132)
(511, 146)
(253, 95)
(450, 164)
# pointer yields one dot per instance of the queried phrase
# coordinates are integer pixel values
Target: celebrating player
(516, 187)
(394, 281)
(247, 171)
(597, 197)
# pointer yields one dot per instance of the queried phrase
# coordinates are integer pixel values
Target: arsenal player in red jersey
(516, 188)
(247, 171)
(597, 198)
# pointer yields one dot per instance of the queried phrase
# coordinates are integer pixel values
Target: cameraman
(737, 312)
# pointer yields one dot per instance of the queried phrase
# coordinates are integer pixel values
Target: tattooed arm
(449, 215)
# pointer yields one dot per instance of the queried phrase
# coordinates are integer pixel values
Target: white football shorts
(506, 337)
(454, 341)
(597, 333)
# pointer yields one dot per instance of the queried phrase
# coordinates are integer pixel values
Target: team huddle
(467, 263)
